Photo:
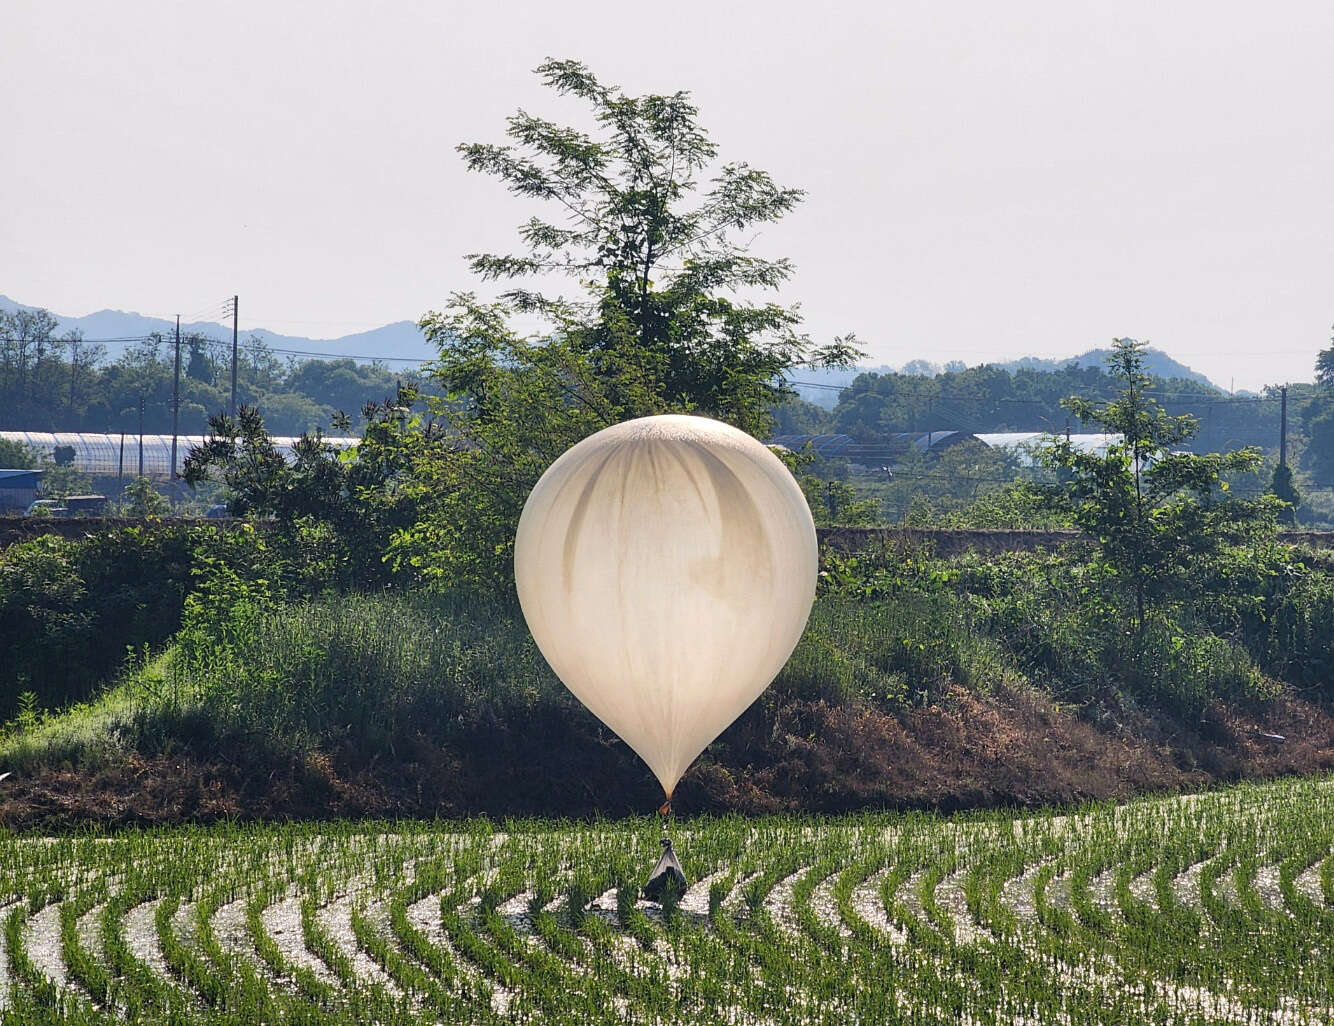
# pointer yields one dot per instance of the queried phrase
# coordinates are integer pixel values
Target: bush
(69, 608)
(1055, 619)
(16, 456)
(141, 499)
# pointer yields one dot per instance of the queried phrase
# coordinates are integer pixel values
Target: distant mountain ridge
(401, 340)
(821, 386)
(1156, 363)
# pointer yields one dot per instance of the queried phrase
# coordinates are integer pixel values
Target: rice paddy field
(1215, 908)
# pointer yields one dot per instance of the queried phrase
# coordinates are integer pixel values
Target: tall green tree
(651, 228)
(1158, 514)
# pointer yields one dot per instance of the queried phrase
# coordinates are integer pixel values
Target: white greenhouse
(107, 455)
(1026, 443)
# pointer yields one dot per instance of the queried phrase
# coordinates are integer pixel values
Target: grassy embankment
(920, 682)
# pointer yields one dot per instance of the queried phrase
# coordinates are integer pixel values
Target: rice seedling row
(1216, 908)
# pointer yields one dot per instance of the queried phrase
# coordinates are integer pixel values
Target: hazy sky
(986, 180)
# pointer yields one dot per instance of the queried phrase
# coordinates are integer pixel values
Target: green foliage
(833, 500)
(1157, 514)
(1187, 670)
(1279, 602)
(1017, 507)
(16, 456)
(340, 509)
(837, 503)
(797, 417)
(238, 583)
(513, 406)
(1324, 367)
(661, 269)
(989, 398)
(1318, 417)
(1055, 621)
(141, 499)
(366, 671)
(1296, 637)
(891, 651)
(925, 490)
(658, 330)
(1285, 490)
(59, 481)
(69, 607)
(64, 384)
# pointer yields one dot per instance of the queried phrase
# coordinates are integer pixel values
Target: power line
(209, 313)
(84, 341)
(162, 339)
(348, 356)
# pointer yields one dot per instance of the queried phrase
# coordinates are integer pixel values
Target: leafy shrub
(141, 499)
(70, 607)
(16, 455)
(1016, 507)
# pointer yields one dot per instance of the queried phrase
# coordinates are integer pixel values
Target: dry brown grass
(1013, 749)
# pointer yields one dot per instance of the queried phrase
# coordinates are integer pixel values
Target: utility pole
(141, 436)
(73, 367)
(236, 301)
(120, 467)
(1283, 430)
(176, 398)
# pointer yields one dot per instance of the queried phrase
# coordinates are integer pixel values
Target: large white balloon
(666, 567)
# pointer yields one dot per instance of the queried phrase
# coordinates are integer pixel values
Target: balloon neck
(666, 808)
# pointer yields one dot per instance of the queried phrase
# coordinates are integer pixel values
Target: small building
(18, 489)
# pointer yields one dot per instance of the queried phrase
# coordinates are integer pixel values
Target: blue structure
(18, 489)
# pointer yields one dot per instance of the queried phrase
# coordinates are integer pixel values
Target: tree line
(58, 382)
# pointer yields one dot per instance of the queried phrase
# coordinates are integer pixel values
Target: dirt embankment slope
(1012, 749)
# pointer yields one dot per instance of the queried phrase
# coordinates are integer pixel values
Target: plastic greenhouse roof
(100, 454)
